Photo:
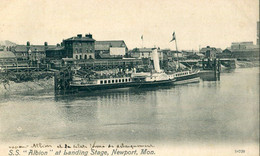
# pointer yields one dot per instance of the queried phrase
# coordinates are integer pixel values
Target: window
(113, 81)
(76, 56)
(123, 80)
(80, 56)
(85, 57)
(90, 57)
(129, 80)
(101, 82)
(105, 81)
(108, 81)
(119, 80)
(116, 80)
(80, 50)
(76, 50)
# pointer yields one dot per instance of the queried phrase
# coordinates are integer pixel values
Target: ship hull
(101, 86)
(154, 83)
(191, 78)
(90, 88)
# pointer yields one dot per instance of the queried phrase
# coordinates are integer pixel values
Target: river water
(206, 112)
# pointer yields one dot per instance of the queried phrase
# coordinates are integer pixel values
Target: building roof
(219, 50)
(40, 48)
(102, 46)
(37, 48)
(145, 50)
(20, 48)
(108, 56)
(6, 54)
(78, 38)
(174, 51)
(112, 43)
(55, 48)
(203, 50)
(245, 43)
(226, 51)
(199, 54)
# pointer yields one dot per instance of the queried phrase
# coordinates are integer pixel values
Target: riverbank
(36, 84)
(247, 64)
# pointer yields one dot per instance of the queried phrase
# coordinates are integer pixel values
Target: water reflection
(210, 76)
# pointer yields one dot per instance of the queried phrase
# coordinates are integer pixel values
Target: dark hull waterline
(122, 85)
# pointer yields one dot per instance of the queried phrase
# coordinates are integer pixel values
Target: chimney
(88, 35)
(28, 43)
(62, 43)
(58, 44)
(46, 44)
(79, 35)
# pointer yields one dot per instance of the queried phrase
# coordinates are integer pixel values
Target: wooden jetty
(210, 69)
(226, 62)
(22, 74)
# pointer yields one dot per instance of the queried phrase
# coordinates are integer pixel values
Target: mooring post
(55, 81)
(219, 68)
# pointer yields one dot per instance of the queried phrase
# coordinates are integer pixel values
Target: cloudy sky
(196, 22)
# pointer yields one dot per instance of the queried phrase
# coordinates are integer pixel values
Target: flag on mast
(142, 38)
(173, 37)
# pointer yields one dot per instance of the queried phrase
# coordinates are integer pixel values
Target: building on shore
(7, 59)
(241, 46)
(145, 53)
(225, 54)
(110, 49)
(31, 52)
(245, 50)
(177, 55)
(21, 52)
(205, 49)
(80, 47)
(2, 48)
(210, 52)
(55, 53)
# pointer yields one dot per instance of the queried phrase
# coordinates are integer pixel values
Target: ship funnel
(156, 60)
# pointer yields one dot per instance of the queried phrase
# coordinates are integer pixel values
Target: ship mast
(178, 63)
(174, 38)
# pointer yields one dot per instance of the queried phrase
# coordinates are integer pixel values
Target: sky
(196, 23)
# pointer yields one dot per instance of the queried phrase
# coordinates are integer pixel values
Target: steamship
(150, 79)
